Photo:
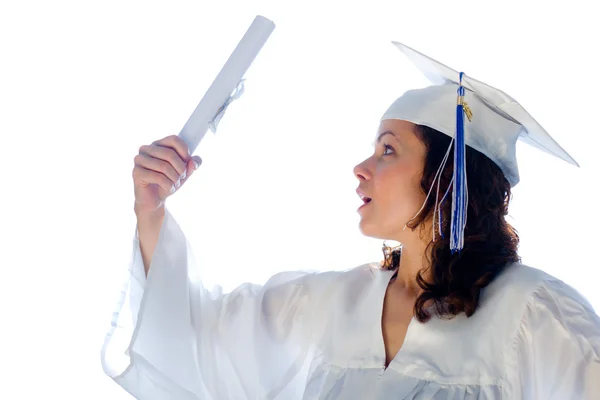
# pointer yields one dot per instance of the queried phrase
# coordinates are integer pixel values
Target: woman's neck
(412, 261)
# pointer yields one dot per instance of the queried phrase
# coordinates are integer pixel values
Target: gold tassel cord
(467, 110)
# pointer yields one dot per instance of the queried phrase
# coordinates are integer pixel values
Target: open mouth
(365, 200)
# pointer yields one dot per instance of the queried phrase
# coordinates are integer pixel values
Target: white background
(85, 83)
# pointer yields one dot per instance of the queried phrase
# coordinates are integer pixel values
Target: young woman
(451, 314)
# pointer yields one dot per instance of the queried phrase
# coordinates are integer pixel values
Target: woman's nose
(362, 172)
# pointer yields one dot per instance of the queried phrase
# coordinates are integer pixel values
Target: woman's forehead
(403, 131)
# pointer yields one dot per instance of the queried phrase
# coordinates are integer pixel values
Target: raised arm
(172, 338)
(160, 170)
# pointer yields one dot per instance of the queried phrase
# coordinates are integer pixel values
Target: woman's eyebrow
(384, 134)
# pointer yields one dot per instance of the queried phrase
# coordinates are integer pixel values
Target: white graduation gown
(318, 336)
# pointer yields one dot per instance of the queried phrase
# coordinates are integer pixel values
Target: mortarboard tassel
(459, 190)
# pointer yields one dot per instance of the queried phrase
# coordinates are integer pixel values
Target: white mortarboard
(497, 122)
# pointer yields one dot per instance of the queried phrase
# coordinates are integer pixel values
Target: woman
(452, 314)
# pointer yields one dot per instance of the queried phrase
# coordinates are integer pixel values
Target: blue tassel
(459, 190)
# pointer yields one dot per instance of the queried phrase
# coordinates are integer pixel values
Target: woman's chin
(370, 230)
(373, 230)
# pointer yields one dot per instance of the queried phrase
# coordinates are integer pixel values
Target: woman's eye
(386, 148)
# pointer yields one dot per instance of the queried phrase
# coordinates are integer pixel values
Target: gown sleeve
(170, 338)
(557, 347)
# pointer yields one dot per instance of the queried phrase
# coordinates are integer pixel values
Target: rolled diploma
(226, 81)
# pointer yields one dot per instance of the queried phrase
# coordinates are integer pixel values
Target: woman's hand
(160, 170)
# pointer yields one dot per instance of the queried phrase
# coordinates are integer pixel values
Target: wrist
(149, 216)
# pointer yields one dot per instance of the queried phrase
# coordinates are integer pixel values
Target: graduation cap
(473, 114)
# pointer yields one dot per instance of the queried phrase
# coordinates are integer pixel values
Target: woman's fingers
(175, 143)
(157, 165)
(165, 154)
(144, 177)
(197, 162)
(192, 165)
(165, 163)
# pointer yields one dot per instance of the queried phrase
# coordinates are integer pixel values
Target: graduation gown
(318, 336)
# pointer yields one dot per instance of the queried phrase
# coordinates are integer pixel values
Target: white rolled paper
(218, 94)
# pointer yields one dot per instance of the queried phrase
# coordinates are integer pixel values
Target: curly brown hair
(490, 242)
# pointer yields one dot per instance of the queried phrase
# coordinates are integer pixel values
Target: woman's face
(391, 178)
